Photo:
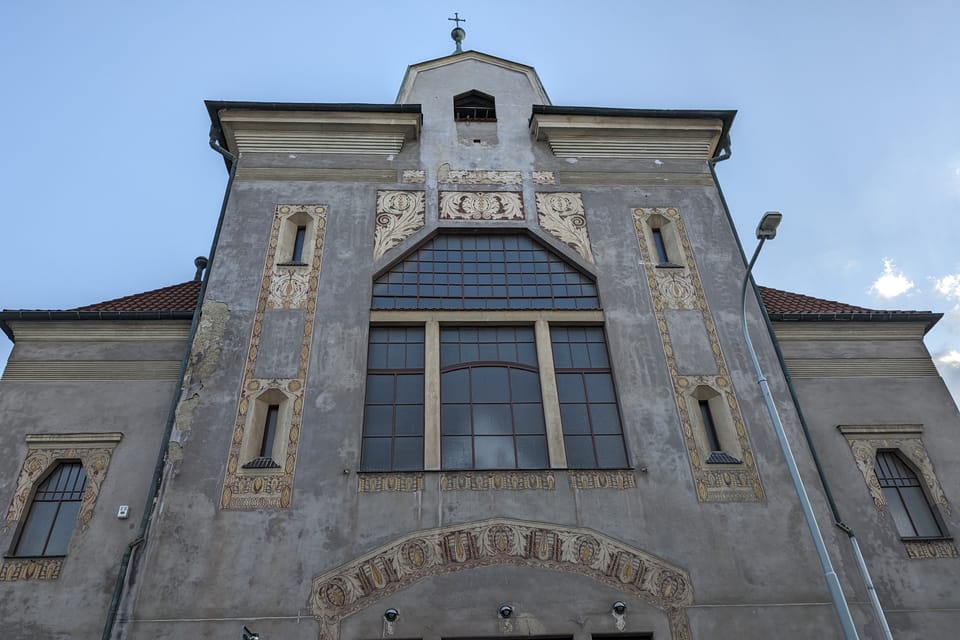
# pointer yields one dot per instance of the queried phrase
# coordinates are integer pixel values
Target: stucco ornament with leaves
(400, 214)
(563, 216)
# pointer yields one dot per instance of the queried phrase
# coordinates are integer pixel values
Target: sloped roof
(778, 301)
(178, 297)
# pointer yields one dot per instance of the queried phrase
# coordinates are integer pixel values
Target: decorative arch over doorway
(397, 565)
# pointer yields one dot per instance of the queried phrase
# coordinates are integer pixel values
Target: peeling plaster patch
(174, 452)
(205, 352)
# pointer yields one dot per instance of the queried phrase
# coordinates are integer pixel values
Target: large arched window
(53, 512)
(905, 498)
(487, 351)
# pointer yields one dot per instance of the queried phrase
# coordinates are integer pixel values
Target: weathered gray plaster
(279, 353)
(691, 345)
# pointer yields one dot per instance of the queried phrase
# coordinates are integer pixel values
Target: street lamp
(767, 230)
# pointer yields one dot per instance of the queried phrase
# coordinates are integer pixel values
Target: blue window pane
(489, 384)
(524, 386)
(532, 452)
(375, 454)
(528, 418)
(455, 419)
(598, 355)
(527, 354)
(574, 418)
(492, 419)
(35, 530)
(409, 420)
(410, 388)
(579, 451)
(408, 454)
(380, 389)
(599, 387)
(494, 452)
(570, 387)
(455, 386)
(377, 356)
(62, 529)
(378, 420)
(561, 356)
(610, 452)
(456, 452)
(604, 418)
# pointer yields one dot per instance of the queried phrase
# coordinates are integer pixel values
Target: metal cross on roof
(458, 34)
(456, 18)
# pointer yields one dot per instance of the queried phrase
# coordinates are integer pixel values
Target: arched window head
(905, 498)
(474, 106)
(53, 512)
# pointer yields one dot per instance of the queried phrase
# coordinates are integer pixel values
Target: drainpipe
(158, 470)
(835, 511)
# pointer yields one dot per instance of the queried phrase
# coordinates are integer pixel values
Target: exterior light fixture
(391, 615)
(505, 611)
(619, 607)
(767, 229)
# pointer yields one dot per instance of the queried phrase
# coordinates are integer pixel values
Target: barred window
(53, 512)
(905, 497)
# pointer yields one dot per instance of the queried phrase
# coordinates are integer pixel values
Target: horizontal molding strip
(628, 149)
(317, 175)
(860, 367)
(500, 317)
(39, 370)
(308, 142)
(101, 331)
(859, 331)
(638, 178)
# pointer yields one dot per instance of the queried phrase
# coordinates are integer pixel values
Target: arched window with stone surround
(906, 499)
(52, 515)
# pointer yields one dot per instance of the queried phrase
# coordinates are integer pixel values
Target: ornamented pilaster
(479, 205)
(562, 215)
(681, 288)
(400, 214)
(272, 488)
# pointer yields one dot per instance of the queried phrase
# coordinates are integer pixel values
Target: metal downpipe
(156, 480)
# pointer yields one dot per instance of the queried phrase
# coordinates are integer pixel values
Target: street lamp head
(767, 229)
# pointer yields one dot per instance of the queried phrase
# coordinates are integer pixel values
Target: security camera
(619, 607)
(391, 615)
(505, 611)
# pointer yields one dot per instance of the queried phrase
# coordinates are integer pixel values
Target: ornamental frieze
(497, 480)
(413, 176)
(366, 580)
(923, 549)
(14, 569)
(562, 215)
(272, 488)
(468, 176)
(400, 214)
(681, 288)
(602, 480)
(479, 205)
(380, 482)
(544, 177)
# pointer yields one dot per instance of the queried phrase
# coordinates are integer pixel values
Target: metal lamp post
(767, 230)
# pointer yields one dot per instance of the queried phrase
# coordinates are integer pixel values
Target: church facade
(470, 365)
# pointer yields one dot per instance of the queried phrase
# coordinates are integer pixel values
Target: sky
(847, 123)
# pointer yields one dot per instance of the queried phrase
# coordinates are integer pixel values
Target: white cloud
(950, 358)
(949, 286)
(891, 282)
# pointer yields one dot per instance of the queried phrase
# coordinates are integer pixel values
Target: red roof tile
(179, 297)
(777, 301)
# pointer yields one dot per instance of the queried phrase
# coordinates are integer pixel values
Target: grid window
(484, 271)
(491, 413)
(53, 512)
(592, 432)
(905, 498)
(393, 410)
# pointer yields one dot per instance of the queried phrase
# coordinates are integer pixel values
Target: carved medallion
(478, 205)
(400, 214)
(562, 215)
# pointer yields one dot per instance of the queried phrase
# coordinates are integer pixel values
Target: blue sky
(847, 124)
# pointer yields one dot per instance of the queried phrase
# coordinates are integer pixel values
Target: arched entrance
(360, 583)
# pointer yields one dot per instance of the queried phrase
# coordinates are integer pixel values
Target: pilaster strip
(280, 287)
(683, 289)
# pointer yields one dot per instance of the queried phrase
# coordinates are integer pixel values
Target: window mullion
(551, 399)
(431, 399)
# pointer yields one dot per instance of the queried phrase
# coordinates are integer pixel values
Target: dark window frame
(474, 106)
(895, 474)
(64, 491)
(584, 369)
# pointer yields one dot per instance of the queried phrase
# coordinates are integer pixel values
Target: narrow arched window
(53, 512)
(905, 498)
